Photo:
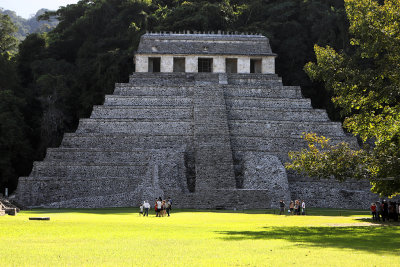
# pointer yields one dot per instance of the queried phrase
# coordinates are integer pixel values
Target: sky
(27, 8)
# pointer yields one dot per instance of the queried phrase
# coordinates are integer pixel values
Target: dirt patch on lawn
(355, 224)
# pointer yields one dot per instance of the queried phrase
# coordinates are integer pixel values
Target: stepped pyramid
(205, 121)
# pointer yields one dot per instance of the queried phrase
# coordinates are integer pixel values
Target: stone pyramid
(206, 140)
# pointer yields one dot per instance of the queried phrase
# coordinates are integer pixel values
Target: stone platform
(206, 140)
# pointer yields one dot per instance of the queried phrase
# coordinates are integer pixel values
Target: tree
(8, 42)
(15, 149)
(366, 86)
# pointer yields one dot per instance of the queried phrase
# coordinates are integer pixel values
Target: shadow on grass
(372, 239)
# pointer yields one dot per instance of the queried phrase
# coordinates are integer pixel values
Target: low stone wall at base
(210, 199)
(223, 199)
(329, 193)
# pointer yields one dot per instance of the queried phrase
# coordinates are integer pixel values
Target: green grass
(115, 237)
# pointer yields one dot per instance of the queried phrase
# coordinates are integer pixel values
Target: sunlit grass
(196, 238)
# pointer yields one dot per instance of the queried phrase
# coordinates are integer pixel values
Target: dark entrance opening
(205, 64)
(179, 64)
(255, 65)
(154, 64)
(231, 65)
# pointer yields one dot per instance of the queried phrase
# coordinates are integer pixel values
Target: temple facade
(213, 53)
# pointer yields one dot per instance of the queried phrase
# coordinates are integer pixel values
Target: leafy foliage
(7, 41)
(366, 86)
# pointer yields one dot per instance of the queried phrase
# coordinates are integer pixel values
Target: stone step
(253, 78)
(270, 90)
(284, 128)
(132, 90)
(236, 102)
(96, 156)
(130, 126)
(124, 141)
(146, 113)
(175, 101)
(279, 143)
(173, 78)
(263, 92)
(93, 155)
(277, 114)
(86, 170)
(238, 155)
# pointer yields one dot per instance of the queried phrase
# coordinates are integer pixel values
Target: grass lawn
(110, 237)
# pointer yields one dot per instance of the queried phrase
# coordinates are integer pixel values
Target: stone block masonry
(217, 138)
(188, 137)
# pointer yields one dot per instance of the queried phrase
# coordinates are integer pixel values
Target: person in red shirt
(373, 211)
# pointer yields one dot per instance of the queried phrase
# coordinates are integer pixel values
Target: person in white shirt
(146, 206)
(303, 207)
(141, 210)
(159, 206)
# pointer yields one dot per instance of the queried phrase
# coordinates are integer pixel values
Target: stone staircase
(198, 138)
(6, 207)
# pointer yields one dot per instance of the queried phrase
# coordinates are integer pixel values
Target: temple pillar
(244, 65)
(191, 64)
(268, 65)
(141, 63)
(167, 64)
(219, 64)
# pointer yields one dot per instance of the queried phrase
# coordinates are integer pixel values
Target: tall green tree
(366, 86)
(8, 42)
(14, 146)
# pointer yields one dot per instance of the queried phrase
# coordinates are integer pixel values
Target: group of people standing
(161, 207)
(385, 211)
(296, 207)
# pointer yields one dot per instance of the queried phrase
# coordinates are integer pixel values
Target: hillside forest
(51, 79)
(31, 25)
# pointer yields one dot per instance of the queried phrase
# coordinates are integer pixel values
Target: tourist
(398, 206)
(163, 208)
(291, 207)
(385, 210)
(392, 211)
(156, 207)
(169, 206)
(303, 208)
(379, 212)
(140, 209)
(373, 211)
(282, 207)
(296, 207)
(159, 207)
(146, 207)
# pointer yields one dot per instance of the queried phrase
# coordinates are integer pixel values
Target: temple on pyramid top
(215, 53)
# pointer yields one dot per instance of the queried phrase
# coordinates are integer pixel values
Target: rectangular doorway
(205, 65)
(154, 64)
(231, 65)
(255, 65)
(179, 64)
